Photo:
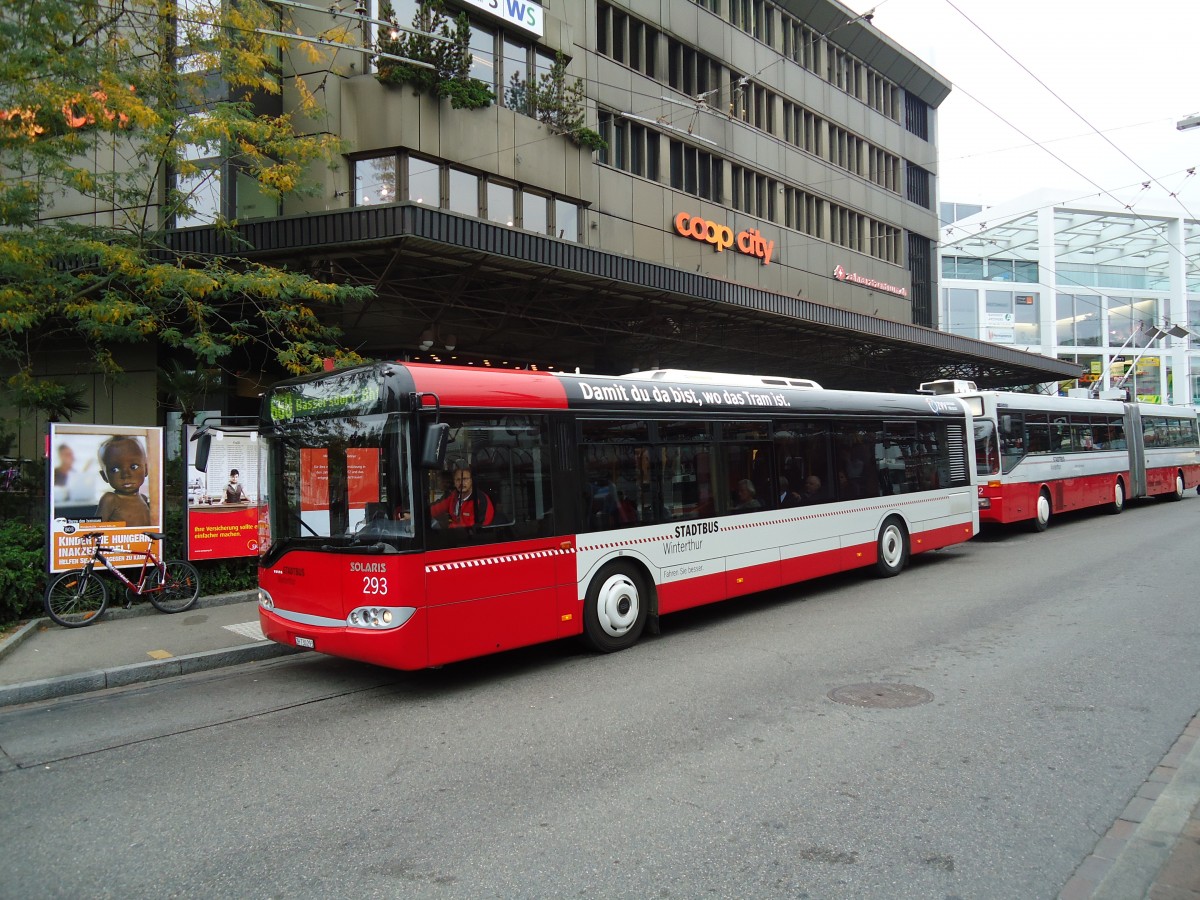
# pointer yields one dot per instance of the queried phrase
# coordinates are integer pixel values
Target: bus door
(491, 572)
(1137, 450)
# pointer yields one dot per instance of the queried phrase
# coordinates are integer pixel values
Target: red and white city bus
(1038, 455)
(610, 501)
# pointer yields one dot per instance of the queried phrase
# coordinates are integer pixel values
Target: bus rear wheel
(892, 548)
(615, 608)
(1042, 512)
(1118, 500)
(1177, 494)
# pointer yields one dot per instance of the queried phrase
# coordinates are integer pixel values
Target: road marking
(252, 630)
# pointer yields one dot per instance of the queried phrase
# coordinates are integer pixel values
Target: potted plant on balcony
(555, 101)
(448, 60)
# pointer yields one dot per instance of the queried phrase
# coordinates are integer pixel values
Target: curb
(153, 670)
(1129, 858)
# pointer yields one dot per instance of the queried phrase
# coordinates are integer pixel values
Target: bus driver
(463, 506)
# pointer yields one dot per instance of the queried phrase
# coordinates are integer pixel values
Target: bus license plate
(305, 642)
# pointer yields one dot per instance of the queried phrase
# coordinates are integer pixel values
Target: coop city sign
(751, 242)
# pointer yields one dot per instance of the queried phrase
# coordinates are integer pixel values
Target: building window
(802, 211)
(625, 39)
(966, 268)
(916, 116)
(424, 181)
(802, 127)
(1025, 271)
(483, 56)
(516, 75)
(885, 242)
(534, 212)
(203, 192)
(962, 312)
(251, 201)
(917, 181)
(566, 220)
(696, 172)
(631, 147)
(754, 193)
(1077, 320)
(1027, 323)
(375, 180)
(691, 72)
(921, 261)
(464, 193)
(501, 203)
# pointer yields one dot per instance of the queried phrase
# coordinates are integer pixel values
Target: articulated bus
(610, 501)
(1038, 455)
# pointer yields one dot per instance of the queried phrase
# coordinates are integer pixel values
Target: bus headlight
(379, 618)
(265, 600)
(985, 503)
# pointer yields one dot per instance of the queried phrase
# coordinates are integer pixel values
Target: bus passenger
(463, 506)
(746, 498)
(812, 492)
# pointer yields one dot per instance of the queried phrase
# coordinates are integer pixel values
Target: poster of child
(105, 478)
(124, 468)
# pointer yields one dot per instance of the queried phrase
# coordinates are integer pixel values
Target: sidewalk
(42, 661)
(1151, 851)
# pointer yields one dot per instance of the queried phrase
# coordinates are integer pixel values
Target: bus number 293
(373, 584)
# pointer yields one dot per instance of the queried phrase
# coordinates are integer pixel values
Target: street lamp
(1192, 121)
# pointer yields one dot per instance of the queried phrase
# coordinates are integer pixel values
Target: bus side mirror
(203, 444)
(433, 445)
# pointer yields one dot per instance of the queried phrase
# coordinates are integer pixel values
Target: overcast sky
(1129, 69)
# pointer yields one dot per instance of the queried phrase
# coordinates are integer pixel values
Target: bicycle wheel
(179, 590)
(75, 599)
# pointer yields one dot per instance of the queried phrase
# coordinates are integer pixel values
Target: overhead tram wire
(1042, 146)
(1078, 114)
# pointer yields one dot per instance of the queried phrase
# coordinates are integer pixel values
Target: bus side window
(1037, 432)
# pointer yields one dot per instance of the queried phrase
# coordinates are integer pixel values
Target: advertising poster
(222, 502)
(106, 478)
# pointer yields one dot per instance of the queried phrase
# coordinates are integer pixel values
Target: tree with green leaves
(119, 121)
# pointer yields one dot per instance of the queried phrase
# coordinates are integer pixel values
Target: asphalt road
(708, 762)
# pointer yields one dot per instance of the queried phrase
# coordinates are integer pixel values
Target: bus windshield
(339, 482)
(987, 455)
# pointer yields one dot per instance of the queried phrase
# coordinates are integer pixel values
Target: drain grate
(880, 696)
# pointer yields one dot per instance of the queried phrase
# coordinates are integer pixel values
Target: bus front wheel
(892, 548)
(616, 608)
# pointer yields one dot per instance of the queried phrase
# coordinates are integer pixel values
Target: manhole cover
(880, 696)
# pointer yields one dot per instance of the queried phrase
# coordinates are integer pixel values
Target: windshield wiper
(378, 547)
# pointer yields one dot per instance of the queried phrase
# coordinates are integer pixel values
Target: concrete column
(1177, 314)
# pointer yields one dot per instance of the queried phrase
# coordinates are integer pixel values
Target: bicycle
(12, 479)
(80, 597)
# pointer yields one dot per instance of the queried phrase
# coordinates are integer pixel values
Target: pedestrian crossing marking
(252, 630)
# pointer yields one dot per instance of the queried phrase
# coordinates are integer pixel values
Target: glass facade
(1108, 317)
